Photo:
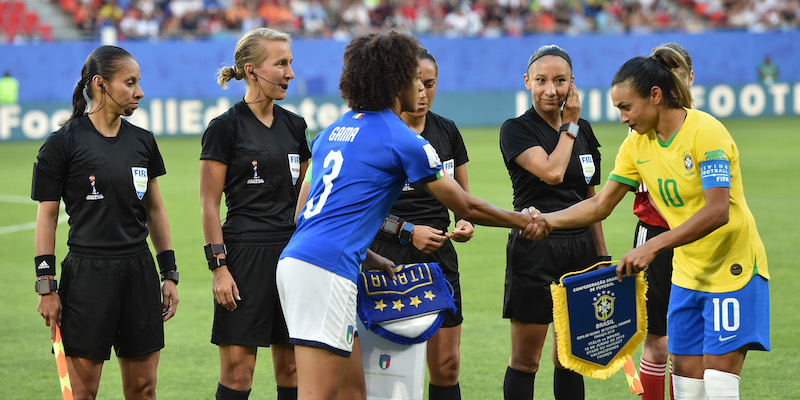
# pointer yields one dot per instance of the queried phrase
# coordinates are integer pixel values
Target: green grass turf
(189, 364)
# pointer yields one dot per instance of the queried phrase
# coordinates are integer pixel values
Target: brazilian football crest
(688, 163)
(603, 305)
(384, 361)
(255, 180)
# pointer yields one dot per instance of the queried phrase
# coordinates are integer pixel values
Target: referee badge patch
(587, 164)
(139, 181)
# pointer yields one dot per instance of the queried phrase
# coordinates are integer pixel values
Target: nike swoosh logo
(642, 162)
(722, 339)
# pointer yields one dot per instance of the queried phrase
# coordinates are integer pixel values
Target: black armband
(44, 187)
(215, 263)
(166, 261)
(606, 258)
(45, 265)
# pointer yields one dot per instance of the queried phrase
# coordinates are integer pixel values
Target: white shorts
(319, 306)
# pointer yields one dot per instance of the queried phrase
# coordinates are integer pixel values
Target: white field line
(7, 198)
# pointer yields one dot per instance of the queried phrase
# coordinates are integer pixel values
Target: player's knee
(721, 385)
(685, 388)
(446, 372)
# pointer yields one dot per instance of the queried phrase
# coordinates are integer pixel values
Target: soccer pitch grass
(189, 364)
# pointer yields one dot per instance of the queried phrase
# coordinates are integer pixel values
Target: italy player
(719, 305)
(361, 164)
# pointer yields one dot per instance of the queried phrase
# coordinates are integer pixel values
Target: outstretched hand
(538, 227)
(462, 232)
(635, 261)
(375, 261)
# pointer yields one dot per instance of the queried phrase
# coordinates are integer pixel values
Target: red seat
(16, 8)
(29, 22)
(69, 6)
(46, 32)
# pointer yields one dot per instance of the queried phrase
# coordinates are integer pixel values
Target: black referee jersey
(529, 130)
(416, 204)
(103, 181)
(263, 167)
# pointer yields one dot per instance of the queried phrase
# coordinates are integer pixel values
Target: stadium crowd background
(342, 19)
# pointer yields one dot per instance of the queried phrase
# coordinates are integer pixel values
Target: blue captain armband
(715, 173)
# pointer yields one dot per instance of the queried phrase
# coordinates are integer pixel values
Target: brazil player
(553, 161)
(655, 357)
(719, 303)
(416, 229)
(361, 163)
(256, 153)
(105, 170)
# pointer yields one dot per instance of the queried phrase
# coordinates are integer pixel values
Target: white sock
(688, 388)
(721, 385)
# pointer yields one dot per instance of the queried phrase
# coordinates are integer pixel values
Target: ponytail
(79, 102)
(660, 69)
(225, 75)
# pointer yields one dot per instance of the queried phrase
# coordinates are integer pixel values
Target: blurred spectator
(9, 89)
(767, 71)
(342, 19)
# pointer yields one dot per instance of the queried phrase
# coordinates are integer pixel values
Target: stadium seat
(46, 32)
(29, 22)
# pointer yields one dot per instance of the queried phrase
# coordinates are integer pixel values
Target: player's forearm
(483, 213)
(579, 215)
(46, 224)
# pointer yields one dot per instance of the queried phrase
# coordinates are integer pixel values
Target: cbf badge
(599, 321)
(587, 164)
(139, 181)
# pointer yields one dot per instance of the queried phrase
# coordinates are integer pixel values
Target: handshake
(537, 226)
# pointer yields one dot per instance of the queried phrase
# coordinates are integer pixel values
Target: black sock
(287, 393)
(226, 393)
(518, 385)
(568, 385)
(444, 392)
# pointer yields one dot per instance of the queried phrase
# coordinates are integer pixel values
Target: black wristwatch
(391, 225)
(571, 128)
(406, 231)
(45, 285)
(171, 275)
(212, 250)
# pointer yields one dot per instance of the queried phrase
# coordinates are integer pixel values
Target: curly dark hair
(377, 68)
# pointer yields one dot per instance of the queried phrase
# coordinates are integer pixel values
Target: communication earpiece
(100, 84)
(252, 72)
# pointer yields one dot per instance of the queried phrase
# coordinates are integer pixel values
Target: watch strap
(45, 284)
(391, 224)
(406, 232)
(212, 250)
(171, 275)
(571, 128)
(215, 263)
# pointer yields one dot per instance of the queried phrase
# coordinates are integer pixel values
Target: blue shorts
(719, 323)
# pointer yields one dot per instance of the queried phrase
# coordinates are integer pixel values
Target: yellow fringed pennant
(61, 364)
(603, 325)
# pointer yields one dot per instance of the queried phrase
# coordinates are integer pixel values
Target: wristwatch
(391, 225)
(571, 128)
(171, 275)
(405, 233)
(212, 250)
(45, 285)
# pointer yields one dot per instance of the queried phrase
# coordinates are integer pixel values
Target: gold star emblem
(429, 295)
(398, 305)
(415, 301)
(380, 305)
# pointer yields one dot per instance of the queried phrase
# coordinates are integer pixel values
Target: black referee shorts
(659, 280)
(258, 320)
(110, 298)
(531, 266)
(446, 257)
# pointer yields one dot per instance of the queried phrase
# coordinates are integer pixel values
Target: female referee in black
(105, 170)
(421, 224)
(257, 154)
(553, 160)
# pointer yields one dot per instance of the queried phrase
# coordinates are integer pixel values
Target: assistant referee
(105, 170)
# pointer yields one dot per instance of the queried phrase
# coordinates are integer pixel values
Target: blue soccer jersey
(361, 163)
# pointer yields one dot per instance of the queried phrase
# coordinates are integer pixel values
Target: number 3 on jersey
(334, 157)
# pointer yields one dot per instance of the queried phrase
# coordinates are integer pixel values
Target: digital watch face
(390, 226)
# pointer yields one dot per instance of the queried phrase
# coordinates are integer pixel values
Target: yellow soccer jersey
(724, 260)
